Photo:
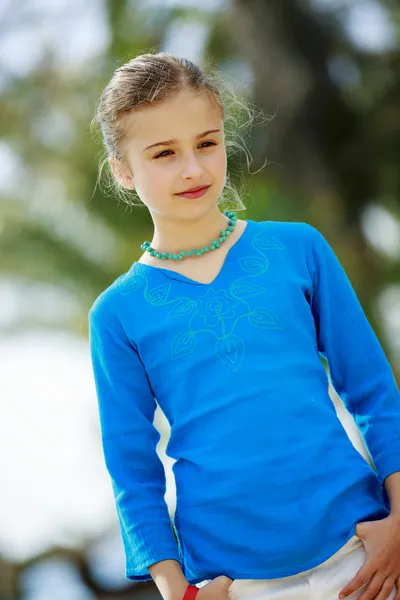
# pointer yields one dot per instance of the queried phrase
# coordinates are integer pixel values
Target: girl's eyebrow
(167, 142)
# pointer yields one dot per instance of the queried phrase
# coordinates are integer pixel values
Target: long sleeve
(358, 368)
(129, 439)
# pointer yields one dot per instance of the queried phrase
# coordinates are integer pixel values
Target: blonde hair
(151, 78)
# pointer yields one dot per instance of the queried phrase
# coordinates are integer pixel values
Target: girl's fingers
(361, 578)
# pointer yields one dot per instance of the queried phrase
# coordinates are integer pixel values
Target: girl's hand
(382, 565)
(217, 589)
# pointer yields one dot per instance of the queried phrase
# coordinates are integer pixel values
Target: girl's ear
(121, 172)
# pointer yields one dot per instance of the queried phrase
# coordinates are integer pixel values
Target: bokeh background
(329, 72)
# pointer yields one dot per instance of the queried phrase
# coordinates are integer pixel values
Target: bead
(146, 246)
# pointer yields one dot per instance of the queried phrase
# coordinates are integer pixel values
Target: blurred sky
(54, 485)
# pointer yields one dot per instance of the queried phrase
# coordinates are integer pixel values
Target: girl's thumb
(222, 581)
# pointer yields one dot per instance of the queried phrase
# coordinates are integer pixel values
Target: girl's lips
(197, 194)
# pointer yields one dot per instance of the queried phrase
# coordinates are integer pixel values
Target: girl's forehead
(180, 117)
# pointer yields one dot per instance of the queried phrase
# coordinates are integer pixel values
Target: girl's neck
(173, 236)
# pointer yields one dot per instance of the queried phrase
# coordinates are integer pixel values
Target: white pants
(323, 582)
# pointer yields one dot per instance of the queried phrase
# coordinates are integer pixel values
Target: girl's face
(173, 147)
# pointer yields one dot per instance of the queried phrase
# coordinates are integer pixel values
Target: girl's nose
(191, 167)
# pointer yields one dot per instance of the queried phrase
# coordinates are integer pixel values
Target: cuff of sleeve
(137, 566)
(387, 465)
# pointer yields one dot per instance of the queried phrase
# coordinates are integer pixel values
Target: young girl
(223, 322)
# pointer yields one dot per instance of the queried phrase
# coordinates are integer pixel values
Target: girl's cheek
(219, 159)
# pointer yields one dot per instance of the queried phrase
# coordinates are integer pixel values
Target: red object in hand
(191, 592)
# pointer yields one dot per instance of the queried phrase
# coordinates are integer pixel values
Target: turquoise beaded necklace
(198, 252)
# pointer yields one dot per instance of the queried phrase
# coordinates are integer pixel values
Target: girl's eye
(164, 153)
(209, 142)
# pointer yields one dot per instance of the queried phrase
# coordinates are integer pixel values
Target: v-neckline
(180, 277)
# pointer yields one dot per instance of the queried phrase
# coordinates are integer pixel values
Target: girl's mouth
(196, 194)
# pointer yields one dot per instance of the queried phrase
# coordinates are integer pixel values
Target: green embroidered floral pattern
(216, 305)
(217, 311)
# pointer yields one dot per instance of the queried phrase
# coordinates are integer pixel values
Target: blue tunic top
(268, 482)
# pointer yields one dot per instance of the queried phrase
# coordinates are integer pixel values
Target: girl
(223, 322)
